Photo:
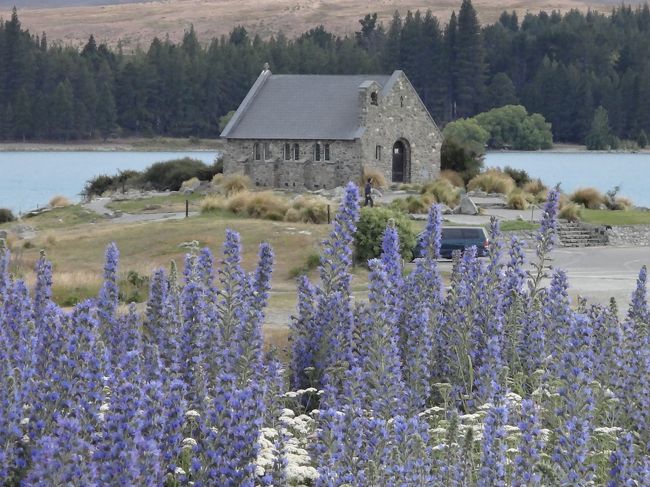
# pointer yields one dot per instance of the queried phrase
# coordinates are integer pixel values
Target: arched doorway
(401, 162)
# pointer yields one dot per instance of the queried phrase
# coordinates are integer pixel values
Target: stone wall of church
(400, 115)
(274, 171)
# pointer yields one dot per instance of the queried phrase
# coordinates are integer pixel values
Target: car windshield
(461, 233)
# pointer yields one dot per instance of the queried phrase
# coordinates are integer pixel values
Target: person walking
(368, 194)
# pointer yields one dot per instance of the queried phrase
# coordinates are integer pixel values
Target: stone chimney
(266, 67)
(368, 96)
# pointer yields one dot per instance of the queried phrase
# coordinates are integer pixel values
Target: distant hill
(60, 3)
(135, 23)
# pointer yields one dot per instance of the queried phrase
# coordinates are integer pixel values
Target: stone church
(319, 131)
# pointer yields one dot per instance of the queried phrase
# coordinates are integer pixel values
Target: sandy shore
(116, 145)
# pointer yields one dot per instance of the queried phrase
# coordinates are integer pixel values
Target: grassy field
(136, 24)
(158, 204)
(608, 217)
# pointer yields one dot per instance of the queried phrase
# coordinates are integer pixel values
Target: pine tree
(500, 92)
(600, 137)
(469, 62)
(106, 114)
(22, 123)
(451, 54)
(62, 111)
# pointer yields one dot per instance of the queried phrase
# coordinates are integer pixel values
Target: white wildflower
(189, 443)
(288, 413)
(614, 430)
(24, 421)
(105, 407)
(192, 414)
(179, 471)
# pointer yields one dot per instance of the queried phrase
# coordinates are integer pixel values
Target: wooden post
(187, 208)
(328, 214)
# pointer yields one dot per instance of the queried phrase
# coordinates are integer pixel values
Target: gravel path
(98, 205)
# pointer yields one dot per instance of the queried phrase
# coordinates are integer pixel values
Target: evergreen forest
(563, 66)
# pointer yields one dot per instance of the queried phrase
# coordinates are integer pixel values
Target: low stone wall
(630, 235)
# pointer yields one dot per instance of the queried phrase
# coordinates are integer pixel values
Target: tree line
(563, 66)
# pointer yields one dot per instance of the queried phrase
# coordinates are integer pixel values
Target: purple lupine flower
(378, 353)
(577, 403)
(108, 294)
(43, 292)
(639, 305)
(155, 314)
(546, 239)
(304, 334)
(417, 358)
(230, 432)
(515, 276)
(205, 270)
(623, 463)
(531, 345)
(412, 460)
(329, 448)
(492, 471)
(232, 278)
(5, 258)
(526, 472)
(433, 233)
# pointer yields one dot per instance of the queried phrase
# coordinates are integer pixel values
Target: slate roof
(314, 107)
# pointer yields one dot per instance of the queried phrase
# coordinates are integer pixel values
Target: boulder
(445, 210)
(467, 206)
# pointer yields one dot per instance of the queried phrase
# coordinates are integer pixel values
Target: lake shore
(130, 144)
(562, 148)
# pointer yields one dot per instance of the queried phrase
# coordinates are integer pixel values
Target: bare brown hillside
(137, 23)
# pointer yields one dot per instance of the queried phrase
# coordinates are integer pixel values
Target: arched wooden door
(401, 164)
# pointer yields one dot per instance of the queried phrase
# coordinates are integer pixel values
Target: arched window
(257, 151)
(401, 101)
(287, 152)
(317, 151)
(373, 98)
(326, 151)
(296, 152)
(267, 152)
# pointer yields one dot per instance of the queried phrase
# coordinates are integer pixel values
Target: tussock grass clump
(492, 181)
(311, 263)
(536, 188)
(266, 205)
(518, 200)
(378, 179)
(307, 209)
(217, 179)
(588, 197)
(571, 212)
(212, 203)
(410, 187)
(455, 178)
(413, 203)
(234, 183)
(621, 203)
(190, 183)
(443, 191)
(59, 201)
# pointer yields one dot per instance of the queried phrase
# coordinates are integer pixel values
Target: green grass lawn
(517, 225)
(610, 217)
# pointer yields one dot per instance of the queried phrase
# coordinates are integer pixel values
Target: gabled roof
(314, 107)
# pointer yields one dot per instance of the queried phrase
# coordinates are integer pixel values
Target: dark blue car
(458, 238)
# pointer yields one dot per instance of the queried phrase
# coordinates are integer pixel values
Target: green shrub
(98, 185)
(370, 230)
(520, 176)
(588, 197)
(169, 175)
(6, 215)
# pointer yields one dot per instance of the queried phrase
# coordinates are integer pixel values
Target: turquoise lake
(631, 172)
(29, 179)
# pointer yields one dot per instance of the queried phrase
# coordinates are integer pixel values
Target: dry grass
(59, 201)
(443, 191)
(266, 205)
(217, 179)
(453, 177)
(212, 203)
(307, 209)
(535, 187)
(190, 184)
(378, 178)
(492, 181)
(571, 212)
(590, 198)
(135, 24)
(518, 200)
(233, 183)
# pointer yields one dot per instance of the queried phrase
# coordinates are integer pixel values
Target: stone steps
(580, 235)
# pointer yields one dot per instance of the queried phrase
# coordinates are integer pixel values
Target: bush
(98, 185)
(536, 188)
(517, 200)
(190, 183)
(378, 179)
(266, 205)
(614, 202)
(59, 201)
(370, 231)
(443, 191)
(590, 198)
(6, 215)
(492, 181)
(571, 212)
(455, 178)
(520, 176)
(169, 175)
